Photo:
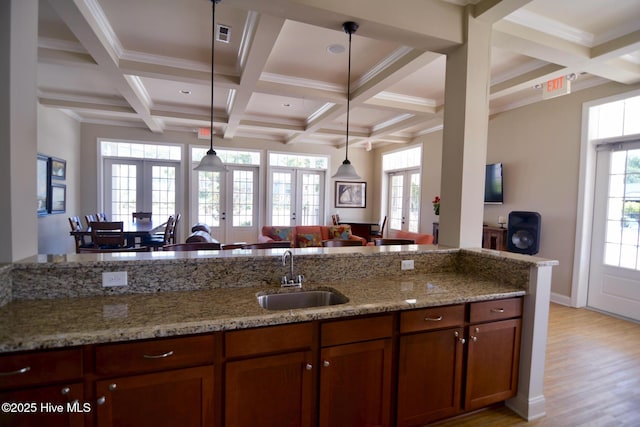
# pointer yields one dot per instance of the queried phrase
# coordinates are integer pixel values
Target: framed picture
(58, 168)
(351, 194)
(58, 198)
(42, 185)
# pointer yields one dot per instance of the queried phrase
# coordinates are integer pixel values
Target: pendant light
(346, 170)
(211, 162)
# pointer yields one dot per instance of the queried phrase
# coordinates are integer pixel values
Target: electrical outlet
(114, 278)
(407, 264)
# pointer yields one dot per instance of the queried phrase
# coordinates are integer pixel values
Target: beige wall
(59, 136)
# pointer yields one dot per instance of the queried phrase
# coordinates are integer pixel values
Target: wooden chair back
(140, 216)
(268, 245)
(89, 219)
(378, 230)
(334, 219)
(196, 246)
(383, 242)
(107, 234)
(174, 234)
(101, 216)
(74, 222)
(341, 242)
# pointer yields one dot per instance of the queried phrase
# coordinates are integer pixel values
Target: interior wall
(59, 136)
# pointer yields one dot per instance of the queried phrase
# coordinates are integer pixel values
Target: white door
(140, 185)
(228, 203)
(296, 197)
(614, 280)
(404, 201)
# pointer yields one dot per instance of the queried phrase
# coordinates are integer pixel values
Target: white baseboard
(561, 299)
(529, 409)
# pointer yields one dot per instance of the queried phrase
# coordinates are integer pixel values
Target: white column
(464, 150)
(18, 128)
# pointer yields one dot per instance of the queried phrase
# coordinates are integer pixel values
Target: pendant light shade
(346, 169)
(211, 162)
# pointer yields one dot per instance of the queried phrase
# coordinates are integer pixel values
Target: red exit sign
(556, 87)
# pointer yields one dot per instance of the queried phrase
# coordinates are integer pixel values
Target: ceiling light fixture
(346, 170)
(211, 162)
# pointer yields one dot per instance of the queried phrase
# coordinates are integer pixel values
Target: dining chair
(101, 216)
(334, 220)
(341, 242)
(76, 225)
(140, 216)
(377, 231)
(107, 234)
(89, 219)
(194, 246)
(268, 245)
(383, 242)
(173, 238)
(156, 242)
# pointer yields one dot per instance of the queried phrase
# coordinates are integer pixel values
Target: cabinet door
(53, 406)
(492, 363)
(429, 376)
(355, 384)
(182, 397)
(270, 391)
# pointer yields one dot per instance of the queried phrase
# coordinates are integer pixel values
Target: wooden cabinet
(430, 364)
(270, 376)
(42, 388)
(494, 238)
(156, 382)
(356, 372)
(493, 352)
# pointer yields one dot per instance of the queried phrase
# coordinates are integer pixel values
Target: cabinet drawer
(270, 339)
(487, 311)
(154, 355)
(348, 331)
(431, 318)
(41, 367)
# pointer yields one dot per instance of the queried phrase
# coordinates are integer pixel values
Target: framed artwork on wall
(58, 168)
(351, 194)
(58, 198)
(42, 185)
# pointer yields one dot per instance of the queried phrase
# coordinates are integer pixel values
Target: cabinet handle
(18, 372)
(497, 310)
(460, 339)
(308, 366)
(101, 400)
(473, 338)
(158, 356)
(65, 391)
(326, 363)
(433, 319)
(113, 386)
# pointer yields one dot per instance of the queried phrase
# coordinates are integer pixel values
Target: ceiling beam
(491, 11)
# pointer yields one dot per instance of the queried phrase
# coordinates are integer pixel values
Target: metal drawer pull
(326, 363)
(158, 356)
(433, 319)
(497, 310)
(18, 372)
(308, 366)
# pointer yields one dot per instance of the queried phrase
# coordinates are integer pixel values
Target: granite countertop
(54, 323)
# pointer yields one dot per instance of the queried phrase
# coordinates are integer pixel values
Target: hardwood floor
(592, 375)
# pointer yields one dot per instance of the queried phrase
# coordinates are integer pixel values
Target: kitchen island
(59, 301)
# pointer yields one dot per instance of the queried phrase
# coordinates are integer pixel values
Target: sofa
(420, 238)
(303, 236)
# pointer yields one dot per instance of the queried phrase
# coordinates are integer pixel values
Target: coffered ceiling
(282, 75)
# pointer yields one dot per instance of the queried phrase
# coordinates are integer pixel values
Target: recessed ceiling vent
(223, 33)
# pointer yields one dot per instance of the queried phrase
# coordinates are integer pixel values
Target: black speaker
(523, 232)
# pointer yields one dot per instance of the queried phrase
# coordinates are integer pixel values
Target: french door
(614, 279)
(296, 197)
(228, 203)
(132, 185)
(404, 200)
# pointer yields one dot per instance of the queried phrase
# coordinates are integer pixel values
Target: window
(297, 190)
(402, 169)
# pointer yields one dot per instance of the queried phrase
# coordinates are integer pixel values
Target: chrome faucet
(290, 281)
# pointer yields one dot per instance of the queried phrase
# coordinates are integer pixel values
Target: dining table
(132, 230)
(360, 228)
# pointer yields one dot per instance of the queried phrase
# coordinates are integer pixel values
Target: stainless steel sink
(300, 299)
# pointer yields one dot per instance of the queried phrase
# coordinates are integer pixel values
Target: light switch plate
(114, 278)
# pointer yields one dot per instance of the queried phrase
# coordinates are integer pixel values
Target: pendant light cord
(346, 151)
(213, 40)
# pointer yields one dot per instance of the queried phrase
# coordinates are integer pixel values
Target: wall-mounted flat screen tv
(493, 190)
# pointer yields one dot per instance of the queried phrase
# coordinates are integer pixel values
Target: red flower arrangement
(436, 205)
